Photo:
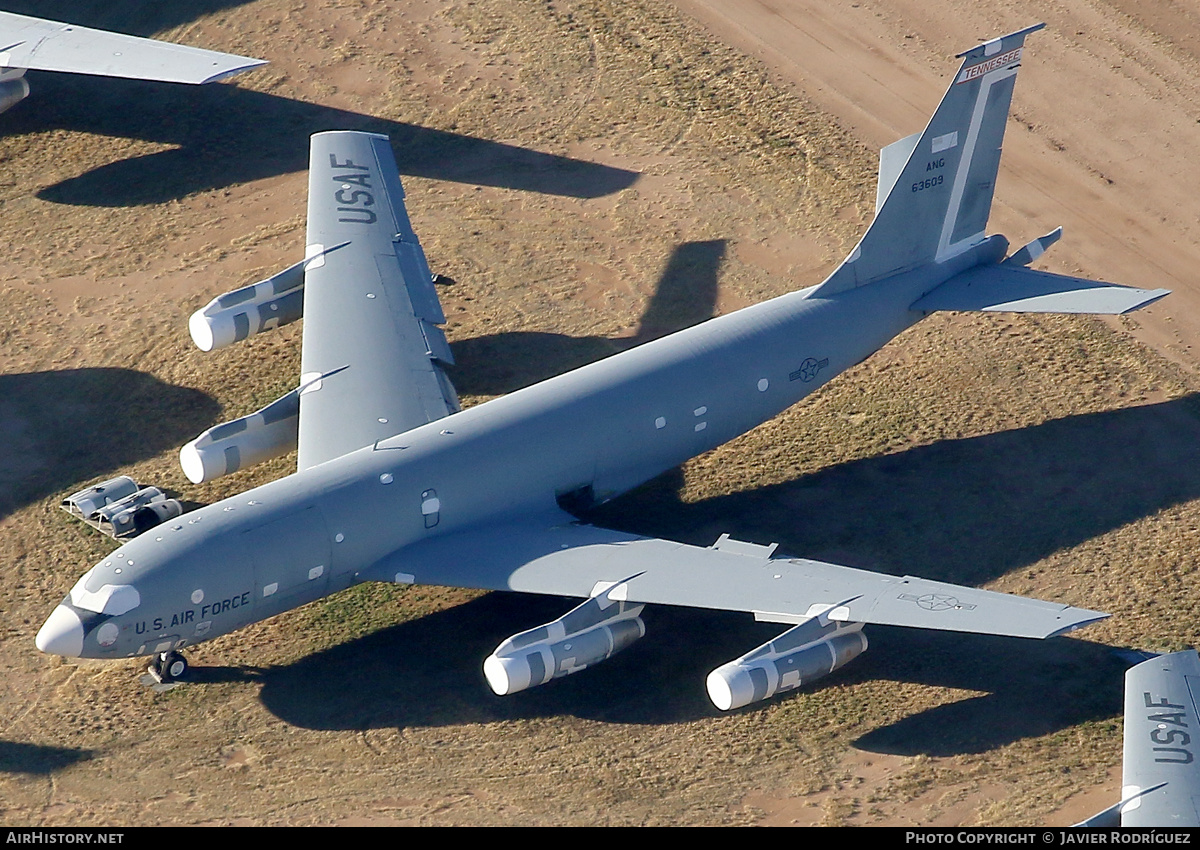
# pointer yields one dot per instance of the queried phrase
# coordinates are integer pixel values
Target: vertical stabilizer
(892, 160)
(939, 201)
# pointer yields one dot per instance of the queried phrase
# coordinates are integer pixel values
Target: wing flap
(370, 308)
(42, 45)
(573, 560)
(1011, 288)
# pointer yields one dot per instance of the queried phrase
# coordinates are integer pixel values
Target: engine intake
(266, 433)
(262, 306)
(13, 91)
(138, 512)
(120, 508)
(586, 635)
(802, 654)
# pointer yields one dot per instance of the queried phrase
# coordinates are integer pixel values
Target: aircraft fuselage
(599, 430)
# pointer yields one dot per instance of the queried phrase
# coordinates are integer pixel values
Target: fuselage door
(291, 558)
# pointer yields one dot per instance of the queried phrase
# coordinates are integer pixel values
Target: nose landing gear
(168, 667)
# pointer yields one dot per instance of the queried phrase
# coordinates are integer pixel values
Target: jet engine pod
(585, 635)
(12, 92)
(88, 501)
(144, 496)
(800, 655)
(262, 435)
(230, 318)
(137, 518)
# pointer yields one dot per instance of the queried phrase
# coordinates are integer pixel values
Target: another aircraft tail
(935, 187)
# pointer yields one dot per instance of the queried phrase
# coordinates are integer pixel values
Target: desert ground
(588, 174)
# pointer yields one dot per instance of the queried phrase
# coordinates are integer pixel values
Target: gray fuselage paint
(599, 425)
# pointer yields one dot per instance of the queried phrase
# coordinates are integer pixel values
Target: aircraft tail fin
(935, 189)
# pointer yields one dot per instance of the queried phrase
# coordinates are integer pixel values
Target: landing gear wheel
(168, 667)
(174, 666)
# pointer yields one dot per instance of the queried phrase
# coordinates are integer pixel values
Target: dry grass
(1035, 455)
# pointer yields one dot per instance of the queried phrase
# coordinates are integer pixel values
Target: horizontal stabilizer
(572, 560)
(1009, 288)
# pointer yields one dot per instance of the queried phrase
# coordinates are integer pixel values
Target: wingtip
(1152, 295)
(1079, 618)
(246, 64)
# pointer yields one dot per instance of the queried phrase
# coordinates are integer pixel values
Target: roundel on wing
(938, 602)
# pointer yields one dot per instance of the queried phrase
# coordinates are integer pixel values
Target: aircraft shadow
(1030, 689)
(223, 135)
(965, 511)
(18, 757)
(960, 510)
(58, 429)
(132, 17)
(428, 671)
(685, 295)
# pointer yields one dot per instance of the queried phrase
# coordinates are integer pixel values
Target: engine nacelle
(586, 635)
(13, 91)
(138, 512)
(144, 496)
(230, 318)
(266, 433)
(800, 655)
(88, 501)
(138, 520)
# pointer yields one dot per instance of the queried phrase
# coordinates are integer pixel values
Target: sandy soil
(591, 174)
(1100, 131)
(1099, 137)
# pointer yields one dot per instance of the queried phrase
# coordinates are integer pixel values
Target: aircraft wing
(1010, 288)
(44, 45)
(372, 355)
(564, 558)
(1161, 778)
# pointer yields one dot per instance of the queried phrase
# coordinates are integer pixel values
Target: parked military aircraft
(395, 483)
(35, 43)
(1160, 778)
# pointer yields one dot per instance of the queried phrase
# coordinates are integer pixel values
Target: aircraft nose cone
(62, 633)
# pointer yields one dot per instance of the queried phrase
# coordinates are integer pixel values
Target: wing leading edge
(568, 559)
(372, 354)
(41, 45)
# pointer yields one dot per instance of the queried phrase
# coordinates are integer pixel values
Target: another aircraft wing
(563, 558)
(1012, 288)
(1161, 777)
(372, 355)
(43, 45)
